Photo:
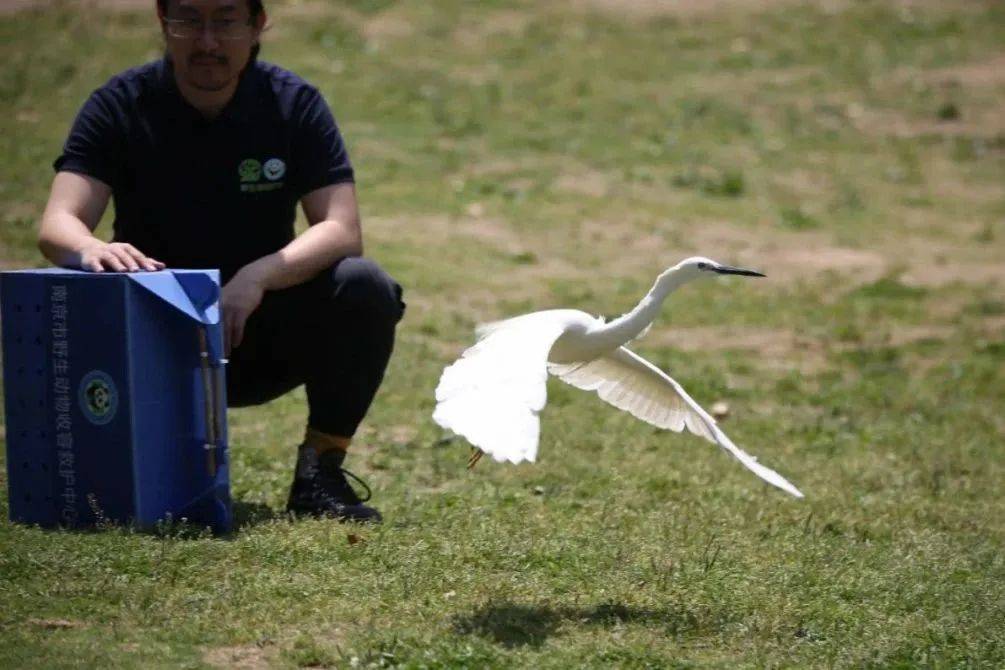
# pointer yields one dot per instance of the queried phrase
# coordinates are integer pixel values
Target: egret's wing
(493, 393)
(630, 382)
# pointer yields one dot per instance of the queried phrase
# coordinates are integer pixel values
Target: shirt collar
(246, 94)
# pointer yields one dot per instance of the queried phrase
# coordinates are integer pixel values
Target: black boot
(320, 489)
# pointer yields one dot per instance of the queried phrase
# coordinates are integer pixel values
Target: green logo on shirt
(250, 170)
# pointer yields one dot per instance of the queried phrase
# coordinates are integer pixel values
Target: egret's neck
(630, 325)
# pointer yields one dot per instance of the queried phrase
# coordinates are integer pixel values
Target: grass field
(524, 155)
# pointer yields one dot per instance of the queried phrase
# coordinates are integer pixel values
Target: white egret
(493, 393)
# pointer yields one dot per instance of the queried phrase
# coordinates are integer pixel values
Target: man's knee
(360, 285)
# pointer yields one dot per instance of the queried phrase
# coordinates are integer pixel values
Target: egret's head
(699, 266)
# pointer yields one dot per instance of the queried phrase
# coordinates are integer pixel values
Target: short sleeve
(319, 153)
(94, 146)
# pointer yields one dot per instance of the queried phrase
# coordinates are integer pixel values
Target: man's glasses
(226, 29)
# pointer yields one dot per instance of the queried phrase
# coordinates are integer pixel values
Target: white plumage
(492, 395)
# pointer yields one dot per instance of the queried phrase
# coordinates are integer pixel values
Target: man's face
(210, 41)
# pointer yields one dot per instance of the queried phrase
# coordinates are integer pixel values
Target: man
(206, 154)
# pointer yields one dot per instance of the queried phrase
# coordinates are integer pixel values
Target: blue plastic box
(115, 398)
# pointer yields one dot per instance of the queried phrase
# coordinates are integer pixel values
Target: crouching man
(206, 154)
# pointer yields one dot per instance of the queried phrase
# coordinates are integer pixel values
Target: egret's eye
(702, 266)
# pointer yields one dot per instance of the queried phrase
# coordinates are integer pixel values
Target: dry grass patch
(647, 9)
(949, 272)
(591, 183)
(987, 123)
(918, 259)
(13, 6)
(805, 184)
(771, 349)
(388, 25)
(783, 350)
(986, 73)
(441, 230)
(469, 237)
(947, 181)
(749, 83)
(783, 255)
(473, 33)
(984, 77)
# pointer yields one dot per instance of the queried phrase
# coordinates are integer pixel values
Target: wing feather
(631, 383)
(493, 393)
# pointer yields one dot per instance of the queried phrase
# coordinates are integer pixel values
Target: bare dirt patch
(784, 350)
(805, 184)
(55, 624)
(246, 657)
(473, 233)
(387, 26)
(645, 9)
(784, 255)
(950, 272)
(918, 260)
(591, 183)
(501, 23)
(636, 9)
(983, 77)
(752, 83)
(987, 73)
(770, 348)
(986, 122)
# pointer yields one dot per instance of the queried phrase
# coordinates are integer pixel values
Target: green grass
(521, 155)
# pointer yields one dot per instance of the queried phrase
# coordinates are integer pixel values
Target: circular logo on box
(98, 397)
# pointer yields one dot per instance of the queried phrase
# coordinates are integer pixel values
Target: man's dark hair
(255, 7)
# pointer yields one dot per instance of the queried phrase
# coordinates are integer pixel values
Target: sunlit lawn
(524, 155)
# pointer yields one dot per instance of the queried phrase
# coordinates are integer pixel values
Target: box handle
(210, 399)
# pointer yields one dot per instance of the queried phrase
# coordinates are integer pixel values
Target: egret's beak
(727, 270)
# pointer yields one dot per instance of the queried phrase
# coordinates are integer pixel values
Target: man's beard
(200, 60)
(210, 87)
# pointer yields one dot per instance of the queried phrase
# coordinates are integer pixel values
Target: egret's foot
(476, 455)
(327, 493)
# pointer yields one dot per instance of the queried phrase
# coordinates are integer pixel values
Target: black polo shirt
(198, 193)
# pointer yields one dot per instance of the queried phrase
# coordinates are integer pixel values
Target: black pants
(333, 333)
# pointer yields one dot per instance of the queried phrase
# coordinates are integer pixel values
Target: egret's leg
(476, 455)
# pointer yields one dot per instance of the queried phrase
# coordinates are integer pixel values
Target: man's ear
(160, 18)
(261, 21)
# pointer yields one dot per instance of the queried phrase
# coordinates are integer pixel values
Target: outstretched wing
(493, 393)
(630, 382)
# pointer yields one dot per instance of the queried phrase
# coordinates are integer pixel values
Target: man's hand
(240, 297)
(334, 233)
(117, 257)
(65, 233)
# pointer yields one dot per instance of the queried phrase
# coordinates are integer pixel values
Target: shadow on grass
(513, 625)
(245, 515)
(251, 514)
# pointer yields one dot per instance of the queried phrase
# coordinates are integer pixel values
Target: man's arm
(76, 203)
(334, 233)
